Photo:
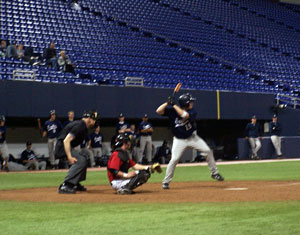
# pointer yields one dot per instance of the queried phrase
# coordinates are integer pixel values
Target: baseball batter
(183, 123)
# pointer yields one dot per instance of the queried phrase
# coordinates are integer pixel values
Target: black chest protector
(124, 157)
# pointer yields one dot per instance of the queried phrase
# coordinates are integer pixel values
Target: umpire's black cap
(90, 114)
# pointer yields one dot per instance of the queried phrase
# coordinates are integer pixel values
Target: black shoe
(165, 186)
(64, 189)
(80, 188)
(217, 177)
(124, 191)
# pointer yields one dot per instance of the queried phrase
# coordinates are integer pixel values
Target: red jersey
(118, 161)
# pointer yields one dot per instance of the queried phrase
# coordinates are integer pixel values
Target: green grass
(180, 218)
(262, 171)
(203, 218)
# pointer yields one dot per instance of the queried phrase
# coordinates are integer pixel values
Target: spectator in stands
(163, 154)
(11, 51)
(253, 135)
(29, 159)
(122, 126)
(275, 132)
(96, 139)
(50, 56)
(64, 63)
(71, 116)
(3, 48)
(3, 145)
(20, 51)
(51, 129)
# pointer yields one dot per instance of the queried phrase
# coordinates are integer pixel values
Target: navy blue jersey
(144, 126)
(181, 128)
(275, 128)
(27, 155)
(133, 134)
(52, 128)
(252, 130)
(2, 134)
(96, 140)
(122, 126)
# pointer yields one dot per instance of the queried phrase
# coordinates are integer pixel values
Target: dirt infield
(234, 191)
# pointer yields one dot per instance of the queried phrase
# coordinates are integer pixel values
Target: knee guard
(141, 178)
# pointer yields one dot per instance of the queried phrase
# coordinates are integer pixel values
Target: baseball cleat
(80, 188)
(217, 177)
(64, 189)
(124, 191)
(165, 186)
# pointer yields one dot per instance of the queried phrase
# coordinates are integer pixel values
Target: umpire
(70, 137)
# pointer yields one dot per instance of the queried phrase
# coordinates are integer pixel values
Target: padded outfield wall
(35, 99)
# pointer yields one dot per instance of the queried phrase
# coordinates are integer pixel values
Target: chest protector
(124, 157)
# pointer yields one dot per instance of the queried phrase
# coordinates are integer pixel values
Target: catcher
(117, 168)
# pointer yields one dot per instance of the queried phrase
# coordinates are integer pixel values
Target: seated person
(50, 56)
(163, 154)
(20, 51)
(3, 48)
(11, 51)
(29, 159)
(65, 63)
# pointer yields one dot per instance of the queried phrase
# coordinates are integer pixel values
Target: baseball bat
(177, 88)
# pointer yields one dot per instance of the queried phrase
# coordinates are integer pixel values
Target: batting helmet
(185, 99)
(2, 118)
(121, 138)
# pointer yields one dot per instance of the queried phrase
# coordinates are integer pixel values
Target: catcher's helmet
(185, 99)
(121, 138)
(2, 118)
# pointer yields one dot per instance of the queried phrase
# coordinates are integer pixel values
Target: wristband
(125, 175)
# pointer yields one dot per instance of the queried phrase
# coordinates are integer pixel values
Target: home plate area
(227, 191)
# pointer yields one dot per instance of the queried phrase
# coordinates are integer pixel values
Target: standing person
(3, 145)
(145, 130)
(122, 126)
(29, 159)
(96, 139)
(51, 129)
(183, 122)
(253, 135)
(71, 116)
(118, 165)
(70, 137)
(275, 131)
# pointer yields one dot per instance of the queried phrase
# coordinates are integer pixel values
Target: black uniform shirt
(78, 130)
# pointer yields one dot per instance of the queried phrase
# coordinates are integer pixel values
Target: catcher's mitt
(156, 167)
